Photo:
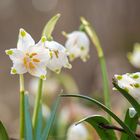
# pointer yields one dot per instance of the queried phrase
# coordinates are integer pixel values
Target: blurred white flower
(64, 116)
(130, 83)
(77, 132)
(50, 87)
(45, 111)
(134, 57)
(77, 45)
(132, 112)
(58, 56)
(28, 57)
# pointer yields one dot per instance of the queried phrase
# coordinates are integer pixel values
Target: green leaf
(38, 130)
(28, 122)
(49, 123)
(96, 121)
(49, 27)
(131, 122)
(3, 133)
(131, 99)
(122, 124)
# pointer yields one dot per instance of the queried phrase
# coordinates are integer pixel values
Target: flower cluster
(129, 82)
(36, 58)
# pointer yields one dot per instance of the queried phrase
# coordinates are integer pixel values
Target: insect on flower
(28, 56)
(77, 45)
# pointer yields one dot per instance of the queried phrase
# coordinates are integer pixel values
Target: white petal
(77, 132)
(19, 68)
(38, 71)
(42, 42)
(129, 82)
(77, 45)
(58, 60)
(15, 55)
(53, 45)
(25, 40)
(42, 54)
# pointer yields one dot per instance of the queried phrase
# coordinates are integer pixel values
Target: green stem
(95, 40)
(37, 103)
(22, 112)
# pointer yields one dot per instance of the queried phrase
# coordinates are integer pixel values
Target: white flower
(134, 57)
(77, 132)
(130, 83)
(132, 112)
(45, 111)
(58, 56)
(77, 45)
(28, 57)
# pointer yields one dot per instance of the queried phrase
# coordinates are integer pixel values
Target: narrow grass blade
(49, 124)
(122, 124)
(28, 122)
(96, 121)
(131, 122)
(3, 133)
(131, 99)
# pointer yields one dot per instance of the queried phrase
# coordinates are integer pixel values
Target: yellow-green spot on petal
(119, 77)
(13, 71)
(58, 71)
(9, 52)
(43, 39)
(49, 38)
(72, 57)
(68, 65)
(82, 48)
(126, 89)
(43, 77)
(135, 76)
(51, 54)
(23, 33)
(136, 85)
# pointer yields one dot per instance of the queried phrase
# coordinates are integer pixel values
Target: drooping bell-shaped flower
(130, 83)
(58, 56)
(77, 132)
(134, 57)
(28, 57)
(77, 45)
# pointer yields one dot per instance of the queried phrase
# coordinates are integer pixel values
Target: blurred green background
(116, 22)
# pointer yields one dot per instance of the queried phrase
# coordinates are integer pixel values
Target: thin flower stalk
(22, 111)
(47, 31)
(95, 40)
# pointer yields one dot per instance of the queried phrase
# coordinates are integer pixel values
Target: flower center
(30, 60)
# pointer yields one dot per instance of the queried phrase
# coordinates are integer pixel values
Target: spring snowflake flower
(134, 57)
(77, 132)
(58, 56)
(130, 83)
(77, 45)
(45, 111)
(28, 57)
